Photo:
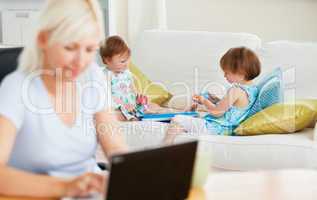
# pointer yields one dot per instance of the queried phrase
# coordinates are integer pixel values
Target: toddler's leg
(173, 129)
(182, 124)
(118, 115)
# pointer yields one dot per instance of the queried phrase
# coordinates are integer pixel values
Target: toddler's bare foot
(172, 131)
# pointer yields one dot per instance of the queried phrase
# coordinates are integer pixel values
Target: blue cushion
(270, 91)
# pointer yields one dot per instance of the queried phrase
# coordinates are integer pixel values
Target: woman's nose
(79, 60)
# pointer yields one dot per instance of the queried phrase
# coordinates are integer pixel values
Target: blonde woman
(53, 110)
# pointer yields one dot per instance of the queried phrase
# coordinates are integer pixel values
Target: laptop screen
(8, 60)
(158, 174)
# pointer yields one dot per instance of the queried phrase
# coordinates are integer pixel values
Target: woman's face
(70, 59)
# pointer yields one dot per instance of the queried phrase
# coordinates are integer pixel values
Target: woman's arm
(223, 105)
(15, 182)
(18, 183)
(109, 134)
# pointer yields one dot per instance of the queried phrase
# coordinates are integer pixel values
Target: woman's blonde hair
(66, 21)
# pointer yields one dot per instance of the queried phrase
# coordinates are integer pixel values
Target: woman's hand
(85, 185)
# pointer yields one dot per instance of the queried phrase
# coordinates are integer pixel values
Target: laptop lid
(8, 60)
(162, 173)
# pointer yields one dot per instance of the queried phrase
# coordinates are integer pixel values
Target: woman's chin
(71, 77)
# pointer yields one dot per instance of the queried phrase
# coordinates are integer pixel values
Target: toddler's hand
(129, 107)
(141, 99)
(213, 98)
(193, 107)
(199, 99)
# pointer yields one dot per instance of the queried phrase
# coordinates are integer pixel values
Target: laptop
(162, 173)
(8, 60)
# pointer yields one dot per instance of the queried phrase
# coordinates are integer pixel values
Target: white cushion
(298, 63)
(171, 57)
(143, 134)
(263, 151)
(235, 152)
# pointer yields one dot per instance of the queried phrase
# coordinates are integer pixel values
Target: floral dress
(123, 93)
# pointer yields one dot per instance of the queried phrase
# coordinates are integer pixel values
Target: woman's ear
(42, 39)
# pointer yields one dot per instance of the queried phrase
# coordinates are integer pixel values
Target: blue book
(166, 117)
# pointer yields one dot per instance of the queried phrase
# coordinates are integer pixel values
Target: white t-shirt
(44, 143)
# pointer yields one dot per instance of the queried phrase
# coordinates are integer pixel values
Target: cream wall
(120, 13)
(18, 4)
(269, 19)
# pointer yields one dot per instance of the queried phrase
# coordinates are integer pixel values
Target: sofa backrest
(297, 60)
(175, 58)
(171, 57)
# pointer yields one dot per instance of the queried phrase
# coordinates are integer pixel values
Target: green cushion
(312, 103)
(280, 118)
(155, 92)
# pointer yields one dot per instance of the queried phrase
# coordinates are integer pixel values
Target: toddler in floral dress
(115, 55)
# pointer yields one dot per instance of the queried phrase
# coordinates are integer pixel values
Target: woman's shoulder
(14, 80)
(17, 74)
(94, 72)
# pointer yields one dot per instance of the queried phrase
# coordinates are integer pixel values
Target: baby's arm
(224, 104)
(140, 98)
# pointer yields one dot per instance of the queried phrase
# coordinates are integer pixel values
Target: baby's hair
(114, 45)
(243, 61)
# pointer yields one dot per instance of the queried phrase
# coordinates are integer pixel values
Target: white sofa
(184, 61)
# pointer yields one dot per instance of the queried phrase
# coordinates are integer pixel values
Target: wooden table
(196, 194)
(260, 185)
(273, 185)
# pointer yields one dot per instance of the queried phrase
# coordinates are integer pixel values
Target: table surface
(259, 185)
(196, 194)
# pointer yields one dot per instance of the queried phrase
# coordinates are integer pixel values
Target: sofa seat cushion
(263, 151)
(235, 152)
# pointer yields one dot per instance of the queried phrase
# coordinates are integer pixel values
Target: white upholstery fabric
(171, 57)
(263, 152)
(237, 153)
(234, 152)
(298, 63)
